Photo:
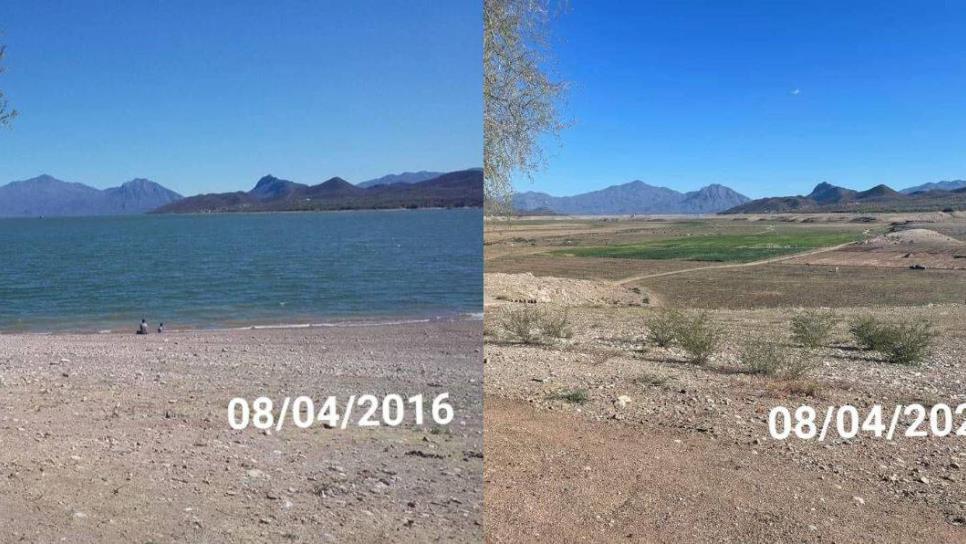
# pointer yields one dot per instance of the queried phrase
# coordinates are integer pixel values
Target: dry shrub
(761, 357)
(797, 365)
(534, 325)
(867, 332)
(521, 324)
(663, 327)
(770, 359)
(556, 324)
(698, 336)
(904, 343)
(812, 328)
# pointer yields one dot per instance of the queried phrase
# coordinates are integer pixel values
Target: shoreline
(260, 212)
(265, 325)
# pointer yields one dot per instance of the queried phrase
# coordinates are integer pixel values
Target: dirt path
(633, 279)
(552, 477)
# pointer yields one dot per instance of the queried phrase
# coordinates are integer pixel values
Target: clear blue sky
(766, 97)
(209, 96)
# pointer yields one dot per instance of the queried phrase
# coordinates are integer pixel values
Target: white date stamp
(847, 422)
(333, 412)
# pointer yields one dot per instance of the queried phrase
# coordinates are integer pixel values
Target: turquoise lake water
(191, 271)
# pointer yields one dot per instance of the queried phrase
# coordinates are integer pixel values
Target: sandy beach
(124, 438)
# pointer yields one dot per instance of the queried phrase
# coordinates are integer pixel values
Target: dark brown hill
(459, 189)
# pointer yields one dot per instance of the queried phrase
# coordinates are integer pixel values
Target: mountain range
(405, 177)
(463, 188)
(826, 197)
(635, 197)
(48, 196)
(936, 186)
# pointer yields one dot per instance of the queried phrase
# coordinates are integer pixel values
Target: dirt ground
(605, 482)
(912, 248)
(121, 438)
(663, 450)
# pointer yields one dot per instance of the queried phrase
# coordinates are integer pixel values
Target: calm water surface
(101, 273)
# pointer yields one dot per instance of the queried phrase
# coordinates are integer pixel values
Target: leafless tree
(520, 97)
(6, 114)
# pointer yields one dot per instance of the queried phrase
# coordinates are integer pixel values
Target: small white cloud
(796, 92)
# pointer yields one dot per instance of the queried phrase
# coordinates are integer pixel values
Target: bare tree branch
(519, 97)
(6, 114)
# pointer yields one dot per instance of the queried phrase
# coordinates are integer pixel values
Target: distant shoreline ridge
(46, 196)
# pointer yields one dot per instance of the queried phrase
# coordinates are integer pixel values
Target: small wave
(334, 324)
(237, 326)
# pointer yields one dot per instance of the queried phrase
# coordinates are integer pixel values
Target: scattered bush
(905, 343)
(663, 327)
(522, 324)
(573, 396)
(761, 357)
(532, 325)
(798, 364)
(812, 328)
(867, 332)
(698, 336)
(556, 324)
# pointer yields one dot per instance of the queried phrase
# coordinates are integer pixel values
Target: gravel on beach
(125, 438)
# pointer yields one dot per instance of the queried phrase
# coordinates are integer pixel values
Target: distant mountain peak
(270, 187)
(635, 197)
(452, 190)
(404, 177)
(267, 179)
(46, 195)
(822, 189)
(715, 188)
(140, 183)
(948, 185)
(41, 179)
(880, 198)
(825, 193)
(879, 191)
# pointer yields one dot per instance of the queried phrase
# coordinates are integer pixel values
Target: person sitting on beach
(143, 328)
(161, 327)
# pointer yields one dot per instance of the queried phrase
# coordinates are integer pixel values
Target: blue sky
(766, 97)
(209, 96)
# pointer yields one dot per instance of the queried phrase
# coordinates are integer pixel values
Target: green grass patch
(718, 248)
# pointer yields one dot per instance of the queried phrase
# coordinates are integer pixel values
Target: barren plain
(602, 435)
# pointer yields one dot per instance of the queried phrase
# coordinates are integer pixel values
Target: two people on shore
(143, 327)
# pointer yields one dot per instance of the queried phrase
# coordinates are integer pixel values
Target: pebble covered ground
(124, 438)
(654, 394)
